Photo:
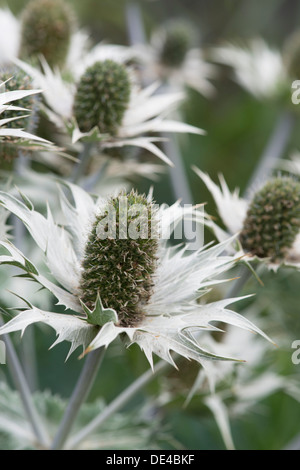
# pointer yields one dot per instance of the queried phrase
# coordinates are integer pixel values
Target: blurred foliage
(238, 128)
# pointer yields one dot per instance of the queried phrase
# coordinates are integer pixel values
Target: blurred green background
(238, 128)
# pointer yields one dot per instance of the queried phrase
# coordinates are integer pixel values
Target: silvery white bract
(146, 113)
(173, 314)
(291, 164)
(232, 209)
(23, 138)
(258, 68)
(239, 390)
(10, 36)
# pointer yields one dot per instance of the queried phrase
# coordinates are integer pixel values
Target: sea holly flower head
(102, 97)
(268, 225)
(46, 29)
(141, 288)
(173, 42)
(133, 116)
(134, 259)
(272, 222)
(13, 135)
(17, 79)
(172, 56)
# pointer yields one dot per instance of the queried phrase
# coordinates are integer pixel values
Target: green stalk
(21, 384)
(80, 393)
(274, 149)
(82, 164)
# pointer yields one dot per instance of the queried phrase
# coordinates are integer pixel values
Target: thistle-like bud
(102, 97)
(120, 257)
(174, 41)
(273, 220)
(17, 79)
(47, 27)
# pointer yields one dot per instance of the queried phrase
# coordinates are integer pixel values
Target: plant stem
(25, 393)
(274, 150)
(82, 164)
(135, 25)
(28, 358)
(178, 177)
(80, 393)
(118, 403)
(237, 286)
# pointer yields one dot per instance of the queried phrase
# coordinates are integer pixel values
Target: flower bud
(120, 257)
(273, 220)
(175, 39)
(102, 97)
(47, 27)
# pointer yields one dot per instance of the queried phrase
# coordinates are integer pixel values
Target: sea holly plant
(45, 28)
(268, 223)
(124, 114)
(137, 287)
(173, 56)
(13, 132)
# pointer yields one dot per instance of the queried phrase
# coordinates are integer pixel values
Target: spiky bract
(273, 219)
(17, 79)
(119, 266)
(102, 97)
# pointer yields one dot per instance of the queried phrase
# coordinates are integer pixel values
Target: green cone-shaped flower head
(17, 79)
(120, 257)
(291, 55)
(47, 27)
(176, 39)
(273, 219)
(102, 97)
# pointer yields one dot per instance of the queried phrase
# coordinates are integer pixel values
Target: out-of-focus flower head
(268, 223)
(14, 131)
(171, 56)
(258, 67)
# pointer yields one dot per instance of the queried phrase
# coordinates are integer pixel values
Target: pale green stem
(25, 393)
(178, 176)
(82, 164)
(273, 151)
(135, 25)
(80, 393)
(28, 357)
